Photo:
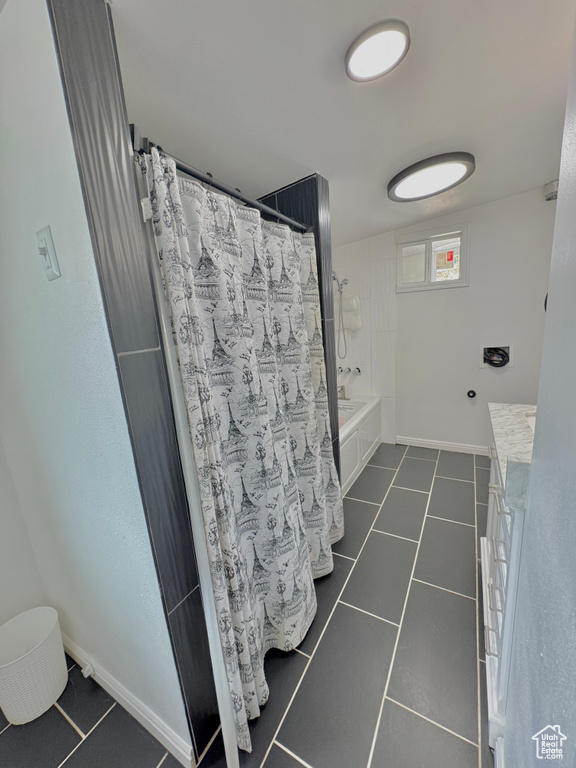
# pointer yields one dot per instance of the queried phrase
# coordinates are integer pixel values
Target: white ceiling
(255, 92)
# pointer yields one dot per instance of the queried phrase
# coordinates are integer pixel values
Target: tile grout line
(170, 612)
(301, 652)
(374, 616)
(207, 747)
(417, 458)
(5, 729)
(444, 589)
(88, 734)
(346, 557)
(161, 761)
(433, 722)
(288, 752)
(457, 479)
(456, 522)
(395, 535)
(478, 697)
(72, 723)
(414, 490)
(138, 351)
(326, 624)
(363, 501)
(393, 657)
(377, 466)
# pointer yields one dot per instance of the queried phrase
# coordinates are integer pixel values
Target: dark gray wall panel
(195, 669)
(336, 452)
(331, 375)
(92, 86)
(152, 425)
(308, 201)
(104, 153)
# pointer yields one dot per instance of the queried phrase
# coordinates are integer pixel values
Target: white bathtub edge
(372, 405)
(369, 404)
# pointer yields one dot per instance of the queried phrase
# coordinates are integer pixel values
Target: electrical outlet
(47, 251)
(508, 347)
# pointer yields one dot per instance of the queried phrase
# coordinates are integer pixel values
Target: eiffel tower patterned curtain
(245, 310)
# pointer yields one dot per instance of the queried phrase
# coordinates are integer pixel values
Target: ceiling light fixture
(431, 176)
(377, 50)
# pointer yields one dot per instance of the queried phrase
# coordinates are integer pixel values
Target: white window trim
(426, 237)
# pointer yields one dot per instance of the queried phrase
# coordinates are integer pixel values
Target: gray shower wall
(84, 38)
(308, 201)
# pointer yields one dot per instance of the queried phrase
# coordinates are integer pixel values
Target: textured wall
(543, 677)
(440, 332)
(21, 586)
(370, 267)
(420, 351)
(63, 423)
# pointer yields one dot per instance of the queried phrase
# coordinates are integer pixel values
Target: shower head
(338, 283)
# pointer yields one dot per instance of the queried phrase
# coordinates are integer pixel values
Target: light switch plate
(48, 253)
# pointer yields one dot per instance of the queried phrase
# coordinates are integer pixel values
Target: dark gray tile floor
(393, 674)
(415, 474)
(402, 513)
(86, 728)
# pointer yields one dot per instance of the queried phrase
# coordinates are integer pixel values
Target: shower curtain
(245, 311)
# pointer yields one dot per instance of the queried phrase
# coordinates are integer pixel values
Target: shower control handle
(348, 370)
(357, 371)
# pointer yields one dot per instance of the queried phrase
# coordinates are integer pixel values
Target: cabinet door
(349, 461)
(369, 432)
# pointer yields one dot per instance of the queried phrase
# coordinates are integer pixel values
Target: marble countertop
(513, 436)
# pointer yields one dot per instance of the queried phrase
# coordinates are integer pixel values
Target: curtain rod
(142, 144)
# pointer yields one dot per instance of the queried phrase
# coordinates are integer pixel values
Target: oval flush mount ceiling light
(431, 176)
(377, 50)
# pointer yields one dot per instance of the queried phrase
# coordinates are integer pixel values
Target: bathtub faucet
(342, 393)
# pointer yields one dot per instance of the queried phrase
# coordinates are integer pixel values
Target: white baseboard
(181, 750)
(499, 753)
(481, 450)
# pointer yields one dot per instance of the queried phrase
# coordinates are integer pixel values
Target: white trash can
(33, 671)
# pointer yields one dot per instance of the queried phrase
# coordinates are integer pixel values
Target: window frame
(426, 237)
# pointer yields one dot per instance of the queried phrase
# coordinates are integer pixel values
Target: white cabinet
(349, 461)
(359, 441)
(500, 552)
(369, 436)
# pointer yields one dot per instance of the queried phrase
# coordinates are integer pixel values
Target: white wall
(421, 350)
(19, 578)
(440, 332)
(543, 674)
(369, 265)
(62, 420)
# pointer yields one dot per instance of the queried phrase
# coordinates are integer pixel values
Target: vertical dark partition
(308, 201)
(85, 46)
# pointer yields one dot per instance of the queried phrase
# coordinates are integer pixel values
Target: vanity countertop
(513, 435)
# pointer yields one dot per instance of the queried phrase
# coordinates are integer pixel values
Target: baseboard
(481, 450)
(499, 753)
(139, 711)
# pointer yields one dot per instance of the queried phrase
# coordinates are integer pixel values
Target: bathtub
(359, 420)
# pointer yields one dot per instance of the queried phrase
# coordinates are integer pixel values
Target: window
(431, 261)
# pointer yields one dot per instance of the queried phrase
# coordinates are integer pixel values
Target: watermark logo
(549, 743)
